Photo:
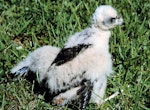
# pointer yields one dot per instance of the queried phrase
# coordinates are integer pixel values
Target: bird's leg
(99, 87)
(66, 97)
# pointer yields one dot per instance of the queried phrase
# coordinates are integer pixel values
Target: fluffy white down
(39, 60)
(95, 62)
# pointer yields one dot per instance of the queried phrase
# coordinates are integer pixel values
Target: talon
(59, 101)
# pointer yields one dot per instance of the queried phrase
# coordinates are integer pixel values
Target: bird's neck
(101, 38)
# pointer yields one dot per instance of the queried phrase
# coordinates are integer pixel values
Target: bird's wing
(67, 54)
(84, 94)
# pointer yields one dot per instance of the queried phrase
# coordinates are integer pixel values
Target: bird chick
(85, 55)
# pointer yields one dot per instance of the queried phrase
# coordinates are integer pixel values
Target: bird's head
(106, 17)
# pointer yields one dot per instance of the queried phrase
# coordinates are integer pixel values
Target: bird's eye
(112, 20)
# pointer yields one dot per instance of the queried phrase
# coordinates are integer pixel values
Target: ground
(27, 25)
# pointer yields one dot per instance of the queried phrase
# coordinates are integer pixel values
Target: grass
(26, 25)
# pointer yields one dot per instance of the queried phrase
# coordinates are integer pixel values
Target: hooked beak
(120, 21)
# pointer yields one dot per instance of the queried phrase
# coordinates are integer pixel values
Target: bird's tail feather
(19, 73)
(21, 69)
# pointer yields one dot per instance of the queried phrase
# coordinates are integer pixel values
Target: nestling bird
(80, 69)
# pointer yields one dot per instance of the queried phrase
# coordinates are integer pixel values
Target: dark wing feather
(85, 94)
(67, 54)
